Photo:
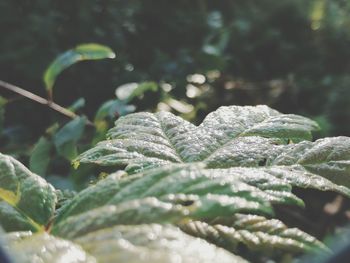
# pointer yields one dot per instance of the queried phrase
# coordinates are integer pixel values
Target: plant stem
(38, 99)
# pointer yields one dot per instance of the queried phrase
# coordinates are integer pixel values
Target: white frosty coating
(152, 243)
(229, 137)
(44, 248)
(162, 137)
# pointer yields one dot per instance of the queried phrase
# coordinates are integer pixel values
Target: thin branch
(38, 99)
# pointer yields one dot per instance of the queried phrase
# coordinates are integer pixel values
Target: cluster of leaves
(61, 143)
(187, 193)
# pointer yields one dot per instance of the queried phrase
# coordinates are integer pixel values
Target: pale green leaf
(151, 243)
(147, 210)
(44, 248)
(145, 138)
(255, 232)
(129, 91)
(182, 184)
(80, 53)
(229, 137)
(27, 201)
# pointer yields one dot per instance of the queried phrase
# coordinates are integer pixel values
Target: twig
(38, 99)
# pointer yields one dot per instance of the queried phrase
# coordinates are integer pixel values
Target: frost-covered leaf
(270, 179)
(148, 210)
(44, 248)
(27, 201)
(238, 159)
(180, 193)
(152, 139)
(211, 194)
(119, 244)
(328, 157)
(151, 243)
(256, 232)
(229, 137)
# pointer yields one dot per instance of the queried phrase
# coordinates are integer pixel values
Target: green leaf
(151, 139)
(207, 194)
(229, 137)
(257, 233)
(27, 202)
(113, 109)
(127, 243)
(141, 211)
(27, 248)
(151, 243)
(3, 102)
(82, 52)
(78, 104)
(40, 156)
(66, 138)
(280, 177)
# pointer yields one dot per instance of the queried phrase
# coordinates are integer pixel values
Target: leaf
(229, 137)
(149, 139)
(113, 109)
(328, 157)
(27, 202)
(45, 248)
(147, 210)
(182, 185)
(40, 156)
(280, 177)
(141, 243)
(212, 198)
(3, 103)
(239, 161)
(257, 233)
(77, 105)
(66, 138)
(82, 52)
(151, 243)
(129, 91)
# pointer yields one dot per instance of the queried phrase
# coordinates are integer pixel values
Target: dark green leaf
(40, 156)
(27, 202)
(66, 138)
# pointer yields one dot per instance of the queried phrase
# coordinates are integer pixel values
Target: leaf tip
(75, 164)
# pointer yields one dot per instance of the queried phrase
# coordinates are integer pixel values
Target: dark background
(292, 55)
